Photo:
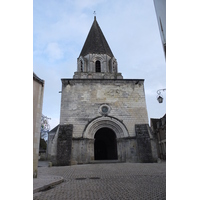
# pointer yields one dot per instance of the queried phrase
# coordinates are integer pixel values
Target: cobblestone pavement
(134, 181)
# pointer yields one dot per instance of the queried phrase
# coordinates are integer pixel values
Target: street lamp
(160, 97)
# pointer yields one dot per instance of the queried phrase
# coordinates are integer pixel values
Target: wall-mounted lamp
(160, 97)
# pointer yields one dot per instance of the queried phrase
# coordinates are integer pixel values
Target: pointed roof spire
(96, 42)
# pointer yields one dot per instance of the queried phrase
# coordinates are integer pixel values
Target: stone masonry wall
(143, 143)
(64, 145)
(82, 98)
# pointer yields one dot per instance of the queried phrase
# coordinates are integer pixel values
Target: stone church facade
(103, 116)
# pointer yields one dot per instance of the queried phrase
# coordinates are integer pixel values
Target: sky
(131, 29)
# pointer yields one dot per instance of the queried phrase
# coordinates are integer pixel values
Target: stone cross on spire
(94, 15)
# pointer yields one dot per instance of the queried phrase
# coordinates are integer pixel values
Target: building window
(114, 70)
(98, 66)
(104, 109)
(81, 66)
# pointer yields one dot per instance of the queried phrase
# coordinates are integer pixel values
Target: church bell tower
(96, 60)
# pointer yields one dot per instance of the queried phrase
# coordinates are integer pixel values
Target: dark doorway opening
(105, 145)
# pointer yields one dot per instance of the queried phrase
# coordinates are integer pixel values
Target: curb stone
(51, 180)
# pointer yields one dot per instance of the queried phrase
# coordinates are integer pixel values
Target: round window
(104, 109)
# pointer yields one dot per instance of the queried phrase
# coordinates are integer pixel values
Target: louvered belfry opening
(98, 66)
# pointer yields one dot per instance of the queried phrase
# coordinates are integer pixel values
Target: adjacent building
(160, 7)
(38, 91)
(158, 127)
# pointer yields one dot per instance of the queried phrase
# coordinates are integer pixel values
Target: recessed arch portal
(105, 145)
(105, 122)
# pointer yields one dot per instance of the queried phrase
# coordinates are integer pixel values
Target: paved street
(134, 181)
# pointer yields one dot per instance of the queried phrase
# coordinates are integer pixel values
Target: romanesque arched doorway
(105, 145)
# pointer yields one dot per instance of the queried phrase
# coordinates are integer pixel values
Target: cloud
(53, 51)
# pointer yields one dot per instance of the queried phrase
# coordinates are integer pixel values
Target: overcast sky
(130, 27)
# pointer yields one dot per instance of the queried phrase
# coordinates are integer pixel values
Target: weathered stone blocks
(64, 145)
(82, 98)
(144, 143)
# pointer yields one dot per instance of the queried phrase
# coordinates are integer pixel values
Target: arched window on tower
(114, 67)
(81, 66)
(98, 66)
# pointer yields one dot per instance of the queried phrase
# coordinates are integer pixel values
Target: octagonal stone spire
(96, 42)
(96, 60)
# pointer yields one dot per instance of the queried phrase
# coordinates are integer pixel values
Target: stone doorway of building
(105, 145)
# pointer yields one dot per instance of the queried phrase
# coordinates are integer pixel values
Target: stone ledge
(70, 81)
